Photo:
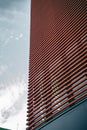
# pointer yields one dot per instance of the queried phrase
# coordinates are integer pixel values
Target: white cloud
(18, 122)
(17, 38)
(10, 114)
(11, 93)
(21, 35)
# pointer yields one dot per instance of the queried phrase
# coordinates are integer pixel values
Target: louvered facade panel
(58, 58)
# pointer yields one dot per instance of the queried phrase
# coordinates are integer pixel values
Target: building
(58, 63)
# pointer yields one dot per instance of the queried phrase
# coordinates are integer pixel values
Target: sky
(14, 55)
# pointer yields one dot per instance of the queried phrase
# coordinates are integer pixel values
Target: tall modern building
(57, 91)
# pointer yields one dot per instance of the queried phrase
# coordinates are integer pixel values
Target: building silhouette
(58, 63)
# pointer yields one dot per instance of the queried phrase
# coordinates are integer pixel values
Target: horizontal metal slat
(70, 57)
(62, 103)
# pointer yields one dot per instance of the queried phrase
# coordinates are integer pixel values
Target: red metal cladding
(58, 58)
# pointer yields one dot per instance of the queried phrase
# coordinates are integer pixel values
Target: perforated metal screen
(58, 58)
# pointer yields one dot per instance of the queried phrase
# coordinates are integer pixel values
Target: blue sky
(14, 55)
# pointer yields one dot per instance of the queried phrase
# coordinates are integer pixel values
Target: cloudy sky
(14, 54)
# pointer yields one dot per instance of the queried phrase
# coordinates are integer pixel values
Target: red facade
(58, 58)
